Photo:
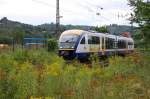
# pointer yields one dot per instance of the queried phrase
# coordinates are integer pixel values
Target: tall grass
(34, 74)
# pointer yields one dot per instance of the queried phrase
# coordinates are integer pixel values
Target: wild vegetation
(33, 74)
(141, 16)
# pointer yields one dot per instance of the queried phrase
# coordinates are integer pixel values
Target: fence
(35, 43)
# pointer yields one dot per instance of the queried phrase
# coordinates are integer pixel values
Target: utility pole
(57, 18)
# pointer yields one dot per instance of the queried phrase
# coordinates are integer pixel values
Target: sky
(76, 12)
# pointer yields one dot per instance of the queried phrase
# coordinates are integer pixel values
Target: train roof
(75, 31)
(80, 32)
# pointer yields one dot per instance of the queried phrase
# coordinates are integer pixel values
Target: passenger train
(81, 44)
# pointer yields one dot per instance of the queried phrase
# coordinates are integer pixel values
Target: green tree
(5, 40)
(18, 35)
(102, 29)
(52, 44)
(141, 16)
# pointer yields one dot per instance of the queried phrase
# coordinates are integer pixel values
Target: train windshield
(68, 41)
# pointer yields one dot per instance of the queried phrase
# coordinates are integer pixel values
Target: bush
(52, 45)
(5, 40)
(30, 73)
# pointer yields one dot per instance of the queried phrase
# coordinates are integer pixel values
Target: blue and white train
(81, 44)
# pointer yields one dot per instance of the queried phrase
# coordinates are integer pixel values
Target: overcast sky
(78, 12)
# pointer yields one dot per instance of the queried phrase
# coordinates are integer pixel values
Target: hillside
(118, 29)
(8, 28)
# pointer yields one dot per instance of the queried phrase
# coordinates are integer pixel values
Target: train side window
(111, 43)
(107, 43)
(124, 44)
(130, 43)
(95, 40)
(119, 44)
(89, 40)
(103, 41)
(82, 41)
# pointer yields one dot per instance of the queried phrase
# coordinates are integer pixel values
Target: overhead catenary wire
(96, 7)
(65, 10)
(97, 10)
(92, 9)
(53, 6)
(62, 10)
(119, 15)
(89, 4)
(44, 3)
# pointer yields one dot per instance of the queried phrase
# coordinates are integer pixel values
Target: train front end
(68, 43)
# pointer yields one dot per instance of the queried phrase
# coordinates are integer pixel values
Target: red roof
(126, 34)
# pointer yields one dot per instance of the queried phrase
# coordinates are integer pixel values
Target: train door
(103, 45)
(115, 45)
(130, 45)
(94, 43)
(126, 47)
(83, 46)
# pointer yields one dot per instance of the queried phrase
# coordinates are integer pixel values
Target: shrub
(30, 73)
(52, 45)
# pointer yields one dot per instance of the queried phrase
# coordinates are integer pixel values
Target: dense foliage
(31, 74)
(141, 16)
(102, 29)
(6, 40)
(52, 45)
